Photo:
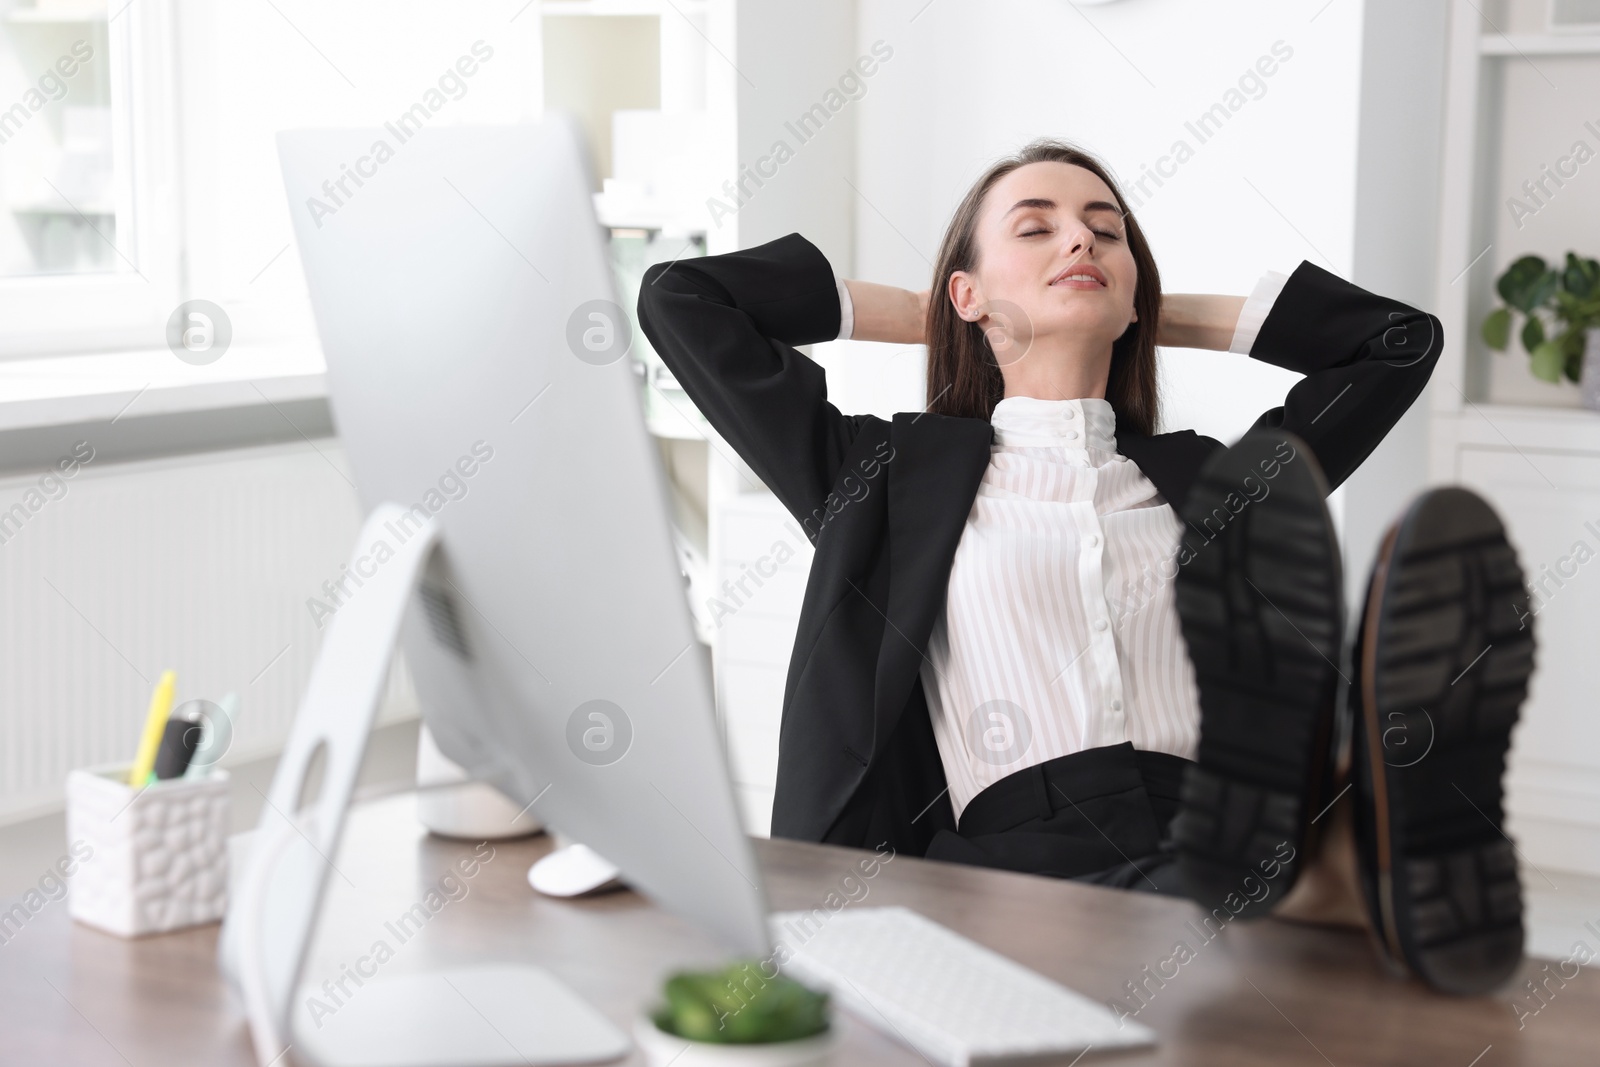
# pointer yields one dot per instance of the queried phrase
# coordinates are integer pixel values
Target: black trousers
(1098, 816)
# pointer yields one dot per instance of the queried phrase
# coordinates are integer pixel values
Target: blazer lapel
(1171, 461)
(934, 473)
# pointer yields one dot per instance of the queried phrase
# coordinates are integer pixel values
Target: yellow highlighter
(155, 722)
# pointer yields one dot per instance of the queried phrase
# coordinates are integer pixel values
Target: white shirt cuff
(1255, 310)
(847, 310)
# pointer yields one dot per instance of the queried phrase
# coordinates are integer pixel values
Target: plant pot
(661, 1049)
(1589, 382)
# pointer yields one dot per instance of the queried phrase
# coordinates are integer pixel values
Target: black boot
(1443, 657)
(1260, 600)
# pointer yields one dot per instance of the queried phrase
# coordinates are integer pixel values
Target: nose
(1079, 241)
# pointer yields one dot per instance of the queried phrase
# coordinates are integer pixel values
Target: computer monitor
(481, 388)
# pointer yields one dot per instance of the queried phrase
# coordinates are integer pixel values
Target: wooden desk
(1262, 993)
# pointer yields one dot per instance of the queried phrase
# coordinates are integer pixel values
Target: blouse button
(1093, 540)
(1116, 705)
(1100, 624)
(1072, 435)
(1068, 413)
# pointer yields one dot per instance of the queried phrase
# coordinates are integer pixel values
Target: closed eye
(1107, 234)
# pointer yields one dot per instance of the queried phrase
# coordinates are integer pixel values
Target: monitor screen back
(478, 375)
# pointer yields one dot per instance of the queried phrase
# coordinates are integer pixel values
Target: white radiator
(200, 563)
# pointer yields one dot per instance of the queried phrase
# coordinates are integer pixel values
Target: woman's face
(1053, 262)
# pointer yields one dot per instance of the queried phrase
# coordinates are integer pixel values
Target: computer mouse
(573, 871)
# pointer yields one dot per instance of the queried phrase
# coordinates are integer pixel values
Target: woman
(991, 617)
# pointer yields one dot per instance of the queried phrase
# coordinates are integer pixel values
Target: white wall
(790, 57)
(973, 81)
(1396, 242)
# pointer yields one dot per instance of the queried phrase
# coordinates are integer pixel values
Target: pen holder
(160, 854)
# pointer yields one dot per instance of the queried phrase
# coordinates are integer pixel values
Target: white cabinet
(1541, 470)
(762, 560)
(1550, 502)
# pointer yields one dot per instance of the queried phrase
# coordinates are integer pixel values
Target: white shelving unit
(732, 73)
(1515, 100)
(1489, 59)
(622, 7)
(1538, 44)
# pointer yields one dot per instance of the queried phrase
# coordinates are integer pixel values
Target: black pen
(179, 739)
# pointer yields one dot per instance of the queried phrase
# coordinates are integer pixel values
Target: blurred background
(1419, 149)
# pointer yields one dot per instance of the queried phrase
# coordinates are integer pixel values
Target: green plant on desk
(1567, 300)
(740, 1005)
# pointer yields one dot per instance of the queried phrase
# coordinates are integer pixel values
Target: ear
(965, 295)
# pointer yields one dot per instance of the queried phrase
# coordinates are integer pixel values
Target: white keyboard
(954, 1001)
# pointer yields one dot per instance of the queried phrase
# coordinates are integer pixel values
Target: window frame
(60, 314)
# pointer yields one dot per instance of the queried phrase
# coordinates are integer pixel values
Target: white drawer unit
(762, 560)
(1550, 502)
(756, 689)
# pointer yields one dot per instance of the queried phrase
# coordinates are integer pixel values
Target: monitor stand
(489, 1014)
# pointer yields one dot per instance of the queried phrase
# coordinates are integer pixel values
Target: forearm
(886, 313)
(1198, 320)
(1188, 320)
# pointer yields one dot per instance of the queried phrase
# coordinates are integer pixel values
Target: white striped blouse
(1060, 630)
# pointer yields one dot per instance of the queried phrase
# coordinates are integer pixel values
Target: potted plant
(739, 1016)
(1562, 309)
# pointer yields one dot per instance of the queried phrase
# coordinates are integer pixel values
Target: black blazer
(885, 503)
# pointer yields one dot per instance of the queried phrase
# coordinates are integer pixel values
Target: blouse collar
(1082, 422)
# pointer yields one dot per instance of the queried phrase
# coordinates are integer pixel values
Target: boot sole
(1445, 663)
(1262, 613)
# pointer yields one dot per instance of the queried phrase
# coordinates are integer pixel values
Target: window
(87, 257)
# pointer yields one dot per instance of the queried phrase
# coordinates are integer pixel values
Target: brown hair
(963, 377)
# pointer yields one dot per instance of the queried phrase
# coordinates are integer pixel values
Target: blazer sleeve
(1365, 359)
(726, 327)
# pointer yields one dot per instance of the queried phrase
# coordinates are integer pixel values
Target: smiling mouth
(1079, 280)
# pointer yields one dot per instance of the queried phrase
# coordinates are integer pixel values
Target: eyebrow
(1050, 205)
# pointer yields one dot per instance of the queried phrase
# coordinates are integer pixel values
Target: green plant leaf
(1567, 305)
(1548, 362)
(1586, 316)
(1544, 289)
(1581, 277)
(740, 1004)
(1575, 278)
(1497, 329)
(1572, 345)
(1519, 282)
(693, 1015)
(1532, 334)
